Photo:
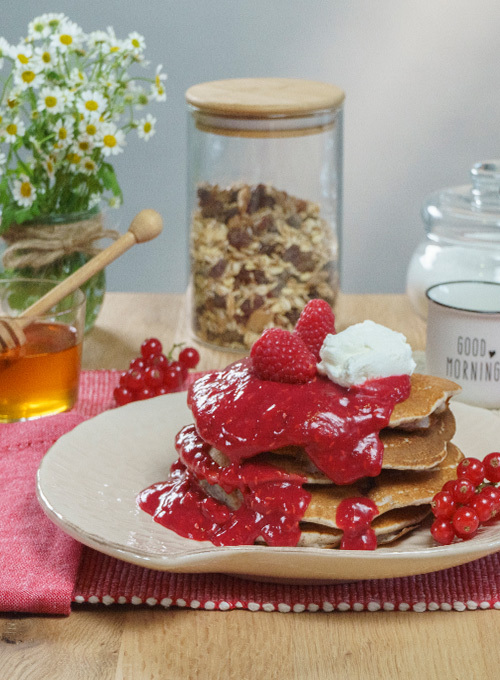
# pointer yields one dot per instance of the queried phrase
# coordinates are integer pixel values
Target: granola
(258, 255)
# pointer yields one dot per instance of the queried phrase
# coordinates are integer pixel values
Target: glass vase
(65, 265)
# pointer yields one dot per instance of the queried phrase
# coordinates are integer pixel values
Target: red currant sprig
(463, 504)
(153, 373)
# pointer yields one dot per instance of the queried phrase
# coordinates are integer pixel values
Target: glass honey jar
(264, 204)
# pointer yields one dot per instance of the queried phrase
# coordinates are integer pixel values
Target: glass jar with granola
(264, 203)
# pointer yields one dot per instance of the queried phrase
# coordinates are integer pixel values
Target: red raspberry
(282, 356)
(314, 324)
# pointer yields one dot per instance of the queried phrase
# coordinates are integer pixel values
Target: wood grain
(131, 643)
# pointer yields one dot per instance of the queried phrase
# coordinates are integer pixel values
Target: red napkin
(38, 561)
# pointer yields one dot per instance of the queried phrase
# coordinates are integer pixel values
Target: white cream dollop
(365, 351)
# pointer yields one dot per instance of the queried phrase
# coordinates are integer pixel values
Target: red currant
(153, 377)
(494, 493)
(492, 467)
(472, 469)
(483, 506)
(122, 396)
(159, 391)
(173, 377)
(189, 356)
(159, 361)
(463, 490)
(465, 522)
(138, 363)
(181, 367)
(442, 531)
(151, 346)
(145, 393)
(443, 505)
(134, 379)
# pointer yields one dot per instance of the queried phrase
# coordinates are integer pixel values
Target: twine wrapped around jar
(39, 244)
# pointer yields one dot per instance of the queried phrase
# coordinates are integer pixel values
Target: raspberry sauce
(354, 516)
(242, 415)
(272, 501)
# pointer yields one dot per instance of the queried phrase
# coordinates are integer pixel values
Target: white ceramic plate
(88, 482)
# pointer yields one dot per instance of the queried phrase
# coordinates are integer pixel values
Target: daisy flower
(27, 76)
(77, 78)
(94, 199)
(158, 90)
(83, 145)
(114, 202)
(23, 191)
(146, 127)
(135, 42)
(42, 26)
(112, 139)
(91, 103)
(21, 53)
(51, 99)
(44, 58)
(5, 50)
(88, 166)
(64, 132)
(112, 44)
(74, 159)
(91, 129)
(68, 36)
(13, 130)
(49, 166)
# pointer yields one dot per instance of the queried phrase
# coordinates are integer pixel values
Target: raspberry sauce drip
(242, 415)
(272, 501)
(354, 516)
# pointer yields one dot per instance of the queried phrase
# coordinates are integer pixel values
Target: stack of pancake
(419, 458)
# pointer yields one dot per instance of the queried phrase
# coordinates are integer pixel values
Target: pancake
(420, 449)
(390, 490)
(403, 501)
(428, 395)
(388, 528)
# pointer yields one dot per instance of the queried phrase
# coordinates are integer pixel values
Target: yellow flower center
(12, 103)
(46, 57)
(23, 58)
(65, 39)
(115, 48)
(136, 43)
(50, 102)
(91, 129)
(11, 129)
(84, 146)
(38, 28)
(89, 165)
(62, 133)
(74, 158)
(50, 167)
(25, 189)
(147, 127)
(28, 76)
(109, 140)
(91, 105)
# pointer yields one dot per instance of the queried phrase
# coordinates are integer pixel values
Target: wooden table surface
(130, 643)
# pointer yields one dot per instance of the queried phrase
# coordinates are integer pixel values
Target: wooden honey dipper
(145, 226)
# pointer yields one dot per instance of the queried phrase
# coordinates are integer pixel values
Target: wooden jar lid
(264, 97)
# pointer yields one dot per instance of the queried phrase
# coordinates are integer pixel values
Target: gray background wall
(422, 82)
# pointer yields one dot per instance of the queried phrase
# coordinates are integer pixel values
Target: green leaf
(107, 176)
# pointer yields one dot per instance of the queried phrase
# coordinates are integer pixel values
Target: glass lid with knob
(462, 238)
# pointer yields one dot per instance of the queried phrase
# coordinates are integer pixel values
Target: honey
(40, 377)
